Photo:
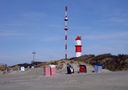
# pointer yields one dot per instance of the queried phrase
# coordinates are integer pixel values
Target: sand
(34, 80)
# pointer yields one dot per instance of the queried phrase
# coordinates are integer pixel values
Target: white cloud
(114, 42)
(106, 36)
(114, 18)
(52, 39)
(9, 34)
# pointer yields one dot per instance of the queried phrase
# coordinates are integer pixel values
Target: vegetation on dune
(109, 61)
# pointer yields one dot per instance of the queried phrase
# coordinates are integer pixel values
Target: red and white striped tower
(66, 30)
(78, 46)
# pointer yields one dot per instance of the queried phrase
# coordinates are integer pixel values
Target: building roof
(78, 38)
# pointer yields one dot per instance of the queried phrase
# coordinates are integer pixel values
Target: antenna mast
(66, 30)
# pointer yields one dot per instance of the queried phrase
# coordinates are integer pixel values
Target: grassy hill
(109, 61)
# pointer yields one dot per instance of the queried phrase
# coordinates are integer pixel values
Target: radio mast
(66, 31)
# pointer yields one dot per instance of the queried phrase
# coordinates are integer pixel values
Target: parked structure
(50, 70)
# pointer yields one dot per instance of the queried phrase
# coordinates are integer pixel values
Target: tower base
(78, 54)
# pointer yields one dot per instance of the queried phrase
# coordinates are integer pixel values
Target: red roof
(78, 38)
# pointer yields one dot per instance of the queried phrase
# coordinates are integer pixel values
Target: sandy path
(34, 80)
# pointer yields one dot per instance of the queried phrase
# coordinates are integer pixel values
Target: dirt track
(34, 80)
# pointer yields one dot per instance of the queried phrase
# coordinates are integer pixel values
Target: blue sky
(37, 25)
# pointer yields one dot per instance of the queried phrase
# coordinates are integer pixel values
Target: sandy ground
(34, 80)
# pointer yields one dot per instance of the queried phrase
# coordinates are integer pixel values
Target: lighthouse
(78, 46)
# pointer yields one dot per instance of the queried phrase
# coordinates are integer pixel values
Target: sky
(38, 25)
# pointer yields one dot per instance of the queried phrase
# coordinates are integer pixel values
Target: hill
(109, 61)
